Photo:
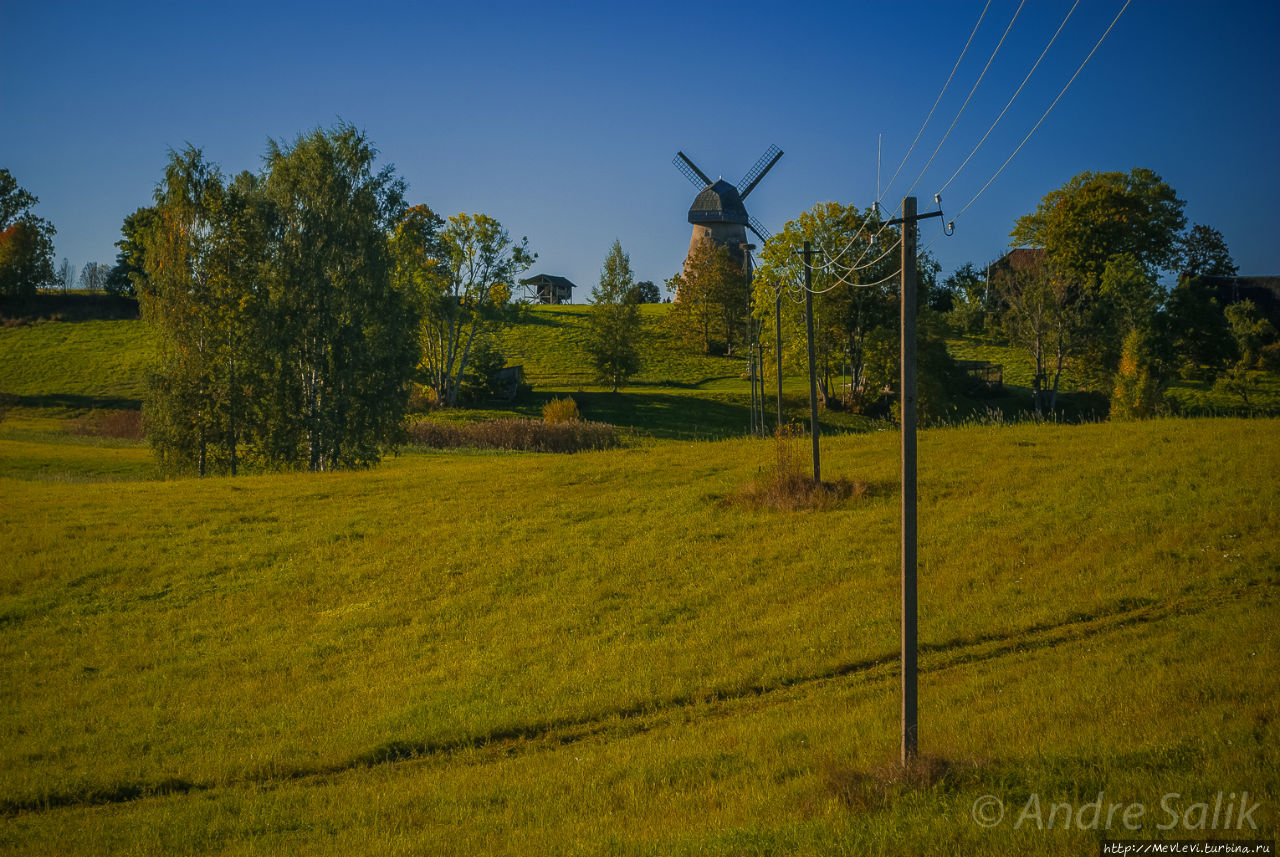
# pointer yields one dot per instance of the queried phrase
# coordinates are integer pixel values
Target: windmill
(718, 212)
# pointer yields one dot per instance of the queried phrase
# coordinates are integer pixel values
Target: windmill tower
(718, 212)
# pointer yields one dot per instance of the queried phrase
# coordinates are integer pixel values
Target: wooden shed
(547, 289)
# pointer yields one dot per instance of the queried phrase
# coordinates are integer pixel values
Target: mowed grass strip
(197, 634)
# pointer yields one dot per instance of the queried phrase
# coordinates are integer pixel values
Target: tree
(26, 242)
(711, 298)
(129, 273)
(93, 277)
(66, 275)
(1126, 222)
(1202, 252)
(969, 293)
(856, 307)
(1096, 216)
(647, 293)
(855, 328)
(282, 337)
(342, 329)
(1252, 334)
(1044, 316)
(1250, 330)
(15, 201)
(181, 402)
(1201, 335)
(612, 343)
(468, 274)
(1141, 378)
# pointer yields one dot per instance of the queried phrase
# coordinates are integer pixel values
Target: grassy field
(463, 653)
(519, 654)
(75, 366)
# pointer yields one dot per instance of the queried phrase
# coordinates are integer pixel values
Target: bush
(787, 486)
(123, 423)
(421, 399)
(1139, 388)
(513, 434)
(561, 411)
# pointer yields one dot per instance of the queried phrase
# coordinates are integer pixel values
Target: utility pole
(813, 366)
(777, 346)
(907, 407)
(753, 337)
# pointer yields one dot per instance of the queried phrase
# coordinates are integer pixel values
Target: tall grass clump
(515, 434)
(787, 485)
(122, 423)
(561, 411)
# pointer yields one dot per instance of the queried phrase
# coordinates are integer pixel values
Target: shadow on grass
(75, 402)
(669, 417)
(71, 306)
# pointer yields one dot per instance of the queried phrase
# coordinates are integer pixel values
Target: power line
(880, 196)
(911, 148)
(976, 84)
(1101, 39)
(871, 264)
(1013, 98)
(844, 282)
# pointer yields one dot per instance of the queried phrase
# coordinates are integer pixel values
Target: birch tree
(466, 295)
(343, 329)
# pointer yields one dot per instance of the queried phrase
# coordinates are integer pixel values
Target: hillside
(55, 373)
(518, 654)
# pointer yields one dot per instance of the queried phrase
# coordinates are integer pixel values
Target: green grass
(515, 654)
(549, 343)
(61, 369)
(1191, 398)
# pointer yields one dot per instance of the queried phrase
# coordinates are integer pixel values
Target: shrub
(122, 423)
(787, 486)
(561, 411)
(1139, 389)
(421, 399)
(513, 434)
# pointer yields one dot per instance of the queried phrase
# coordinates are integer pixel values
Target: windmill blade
(762, 166)
(690, 170)
(758, 228)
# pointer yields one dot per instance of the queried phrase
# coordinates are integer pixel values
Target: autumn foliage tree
(26, 242)
(711, 299)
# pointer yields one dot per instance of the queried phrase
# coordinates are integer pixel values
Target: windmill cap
(719, 203)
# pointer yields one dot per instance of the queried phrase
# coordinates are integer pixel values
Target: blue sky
(561, 119)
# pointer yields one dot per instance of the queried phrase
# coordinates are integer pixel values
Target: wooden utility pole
(777, 346)
(907, 408)
(757, 401)
(907, 405)
(813, 365)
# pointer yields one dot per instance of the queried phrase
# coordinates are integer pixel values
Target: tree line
(1083, 295)
(1086, 297)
